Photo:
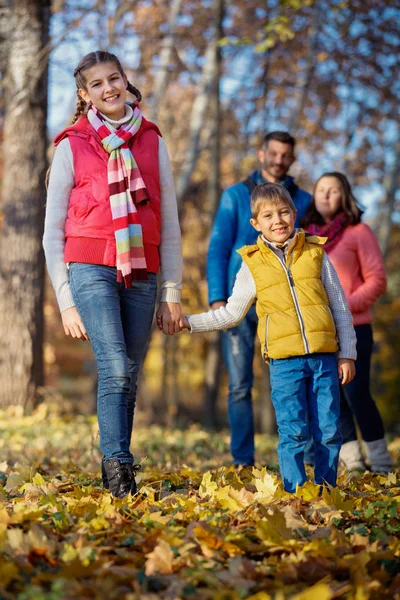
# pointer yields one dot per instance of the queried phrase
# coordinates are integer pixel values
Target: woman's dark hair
(89, 61)
(349, 204)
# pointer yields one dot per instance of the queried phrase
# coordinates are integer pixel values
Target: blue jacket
(232, 230)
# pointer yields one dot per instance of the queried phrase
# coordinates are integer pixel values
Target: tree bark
(213, 361)
(21, 254)
(198, 114)
(306, 77)
(386, 217)
(168, 44)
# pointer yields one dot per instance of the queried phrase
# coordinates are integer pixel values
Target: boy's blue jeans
(238, 353)
(118, 323)
(305, 394)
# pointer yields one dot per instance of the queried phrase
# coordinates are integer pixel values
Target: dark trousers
(356, 400)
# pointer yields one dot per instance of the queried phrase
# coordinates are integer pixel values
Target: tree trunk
(305, 81)
(5, 15)
(168, 44)
(214, 360)
(386, 216)
(22, 259)
(199, 112)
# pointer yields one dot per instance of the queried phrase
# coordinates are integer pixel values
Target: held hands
(346, 370)
(73, 325)
(170, 318)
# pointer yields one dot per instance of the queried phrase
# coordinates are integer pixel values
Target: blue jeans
(118, 322)
(306, 396)
(238, 353)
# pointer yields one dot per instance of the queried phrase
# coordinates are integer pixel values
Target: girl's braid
(80, 108)
(131, 88)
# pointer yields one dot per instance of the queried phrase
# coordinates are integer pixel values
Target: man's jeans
(238, 352)
(118, 322)
(305, 394)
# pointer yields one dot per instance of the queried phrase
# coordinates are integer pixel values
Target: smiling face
(276, 159)
(105, 89)
(328, 197)
(275, 221)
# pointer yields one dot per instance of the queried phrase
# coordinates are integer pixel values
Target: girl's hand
(346, 370)
(73, 325)
(170, 318)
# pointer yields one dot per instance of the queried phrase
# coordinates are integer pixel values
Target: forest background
(215, 76)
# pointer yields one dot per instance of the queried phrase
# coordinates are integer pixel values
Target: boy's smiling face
(275, 221)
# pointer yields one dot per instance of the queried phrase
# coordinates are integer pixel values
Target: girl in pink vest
(111, 224)
(354, 252)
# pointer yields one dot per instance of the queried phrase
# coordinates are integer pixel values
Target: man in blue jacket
(232, 230)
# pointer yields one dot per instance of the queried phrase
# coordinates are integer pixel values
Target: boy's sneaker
(119, 477)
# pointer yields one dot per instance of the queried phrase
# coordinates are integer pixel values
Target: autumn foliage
(197, 529)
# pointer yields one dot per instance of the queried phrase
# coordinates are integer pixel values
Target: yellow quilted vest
(293, 311)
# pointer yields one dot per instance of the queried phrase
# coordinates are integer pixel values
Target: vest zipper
(296, 301)
(266, 339)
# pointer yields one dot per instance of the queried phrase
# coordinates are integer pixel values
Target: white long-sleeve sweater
(60, 185)
(244, 293)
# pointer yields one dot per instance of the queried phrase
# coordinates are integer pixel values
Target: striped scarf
(126, 189)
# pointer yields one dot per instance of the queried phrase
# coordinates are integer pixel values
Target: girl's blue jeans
(306, 395)
(118, 322)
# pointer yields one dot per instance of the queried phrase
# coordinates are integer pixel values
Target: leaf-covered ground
(196, 529)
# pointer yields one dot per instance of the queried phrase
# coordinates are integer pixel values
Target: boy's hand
(346, 370)
(186, 324)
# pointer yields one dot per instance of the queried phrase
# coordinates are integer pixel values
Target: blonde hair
(270, 192)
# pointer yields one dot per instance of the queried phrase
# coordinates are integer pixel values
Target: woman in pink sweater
(355, 254)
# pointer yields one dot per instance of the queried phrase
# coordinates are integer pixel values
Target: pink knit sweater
(359, 265)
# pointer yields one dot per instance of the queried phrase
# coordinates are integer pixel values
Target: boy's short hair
(270, 192)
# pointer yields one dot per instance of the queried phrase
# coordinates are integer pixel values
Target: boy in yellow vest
(305, 329)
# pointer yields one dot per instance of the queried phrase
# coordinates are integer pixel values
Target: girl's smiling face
(105, 89)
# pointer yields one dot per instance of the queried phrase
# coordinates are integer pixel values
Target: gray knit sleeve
(340, 311)
(60, 186)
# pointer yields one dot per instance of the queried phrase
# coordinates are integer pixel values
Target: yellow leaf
(160, 560)
(14, 481)
(242, 497)
(8, 572)
(69, 553)
(266, 487)
(4, 516)
(260, 596)
(157, 517)
(99, 523)
(207, 486)
(38, 479)
(319, 591)
(272, 528)
(359, 595)
(308, 491)
(391, 479)
(334, 497)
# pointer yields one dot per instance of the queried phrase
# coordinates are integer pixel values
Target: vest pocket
(78, 205)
